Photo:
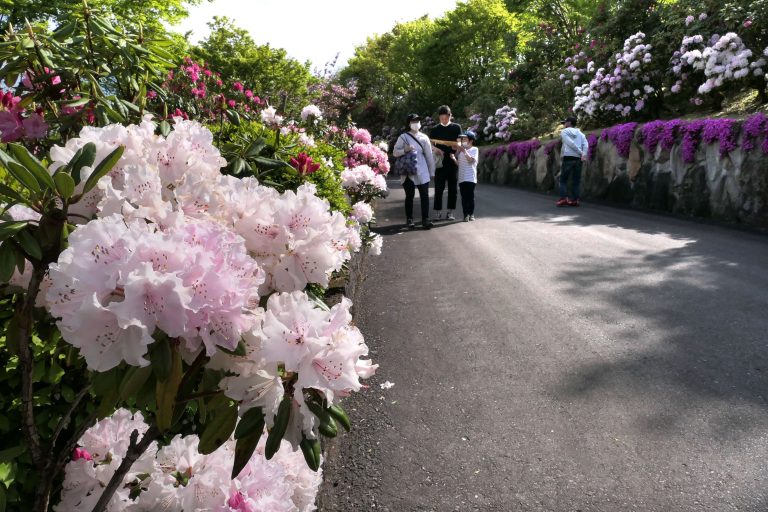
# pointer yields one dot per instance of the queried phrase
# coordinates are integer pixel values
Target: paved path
(544, 359)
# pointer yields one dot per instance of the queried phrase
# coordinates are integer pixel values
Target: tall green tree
(149, 13)
(268, 71)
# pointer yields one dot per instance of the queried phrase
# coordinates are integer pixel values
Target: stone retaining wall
(732, 188)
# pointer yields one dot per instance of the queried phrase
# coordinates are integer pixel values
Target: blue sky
(310, 29)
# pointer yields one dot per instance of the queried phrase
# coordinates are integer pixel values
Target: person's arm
(584, 147)
(568, 141)
(471, 154)
(399, 149)
(426, 146)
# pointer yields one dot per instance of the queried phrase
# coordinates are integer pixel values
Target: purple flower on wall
(722, 131)
(592, 140)
(522, 150)
(754, 127)
(621, 136)
(691, 139)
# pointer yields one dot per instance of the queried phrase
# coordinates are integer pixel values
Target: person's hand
(409, 148)
(453, 157)
(583, 158)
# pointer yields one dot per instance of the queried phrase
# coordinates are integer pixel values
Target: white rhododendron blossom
(117, 282)
(311, 111)
(178, 478)
(269, 116)
(362, 212)
(170, 247)
(619, 87)
(720, 60)
(362, 182)
(376, 244)
(102, 449)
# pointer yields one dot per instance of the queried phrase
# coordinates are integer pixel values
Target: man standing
(448, 173)
(574, 151)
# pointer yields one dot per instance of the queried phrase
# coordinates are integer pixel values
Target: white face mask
(466, 144)
(415, 127)
(445, 123)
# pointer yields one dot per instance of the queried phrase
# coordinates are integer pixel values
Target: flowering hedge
(689, 134)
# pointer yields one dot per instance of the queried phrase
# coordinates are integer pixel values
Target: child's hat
(469, 134)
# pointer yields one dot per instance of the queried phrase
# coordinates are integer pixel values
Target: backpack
(406, 164)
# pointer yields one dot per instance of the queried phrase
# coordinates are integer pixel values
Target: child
(467, 155)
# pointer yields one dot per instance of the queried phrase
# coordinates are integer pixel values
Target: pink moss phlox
(691, 138)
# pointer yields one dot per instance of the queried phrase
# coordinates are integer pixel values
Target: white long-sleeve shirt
(425, 162)
(574, 143)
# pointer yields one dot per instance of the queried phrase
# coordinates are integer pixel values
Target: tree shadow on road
(711, 303)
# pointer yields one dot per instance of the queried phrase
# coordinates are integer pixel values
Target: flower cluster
(578, 68)
(362, 183)
(621, 86)
(180, 249)
(550, 146)
(16, 123)
(621, 136)
(522, 150)
(592, 141)
(194, 87)
(498, 125)
(311, 112)
(359, 135)
(755, 127)
(181, 478)
(720, 59)
(366, 153)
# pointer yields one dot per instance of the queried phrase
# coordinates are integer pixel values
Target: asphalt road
(544, 359)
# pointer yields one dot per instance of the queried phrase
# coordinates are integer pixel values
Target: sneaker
(575, 202)
(466, 218)
(410, 223)
(562, 202)
(438, 215)
(427, 224)
(471, 217)
(450, 216)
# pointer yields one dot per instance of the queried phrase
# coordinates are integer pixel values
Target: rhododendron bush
(179, 300)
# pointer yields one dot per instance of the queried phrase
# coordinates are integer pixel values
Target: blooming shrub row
(690, 134)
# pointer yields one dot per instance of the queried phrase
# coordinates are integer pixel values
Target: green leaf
(103, 168)
(9, 192)
(3, 498)
(9, 454)
(165, 393)
(255, 148)
(244, 449)
(77, 103)
(233, 117)
(161, 357)
(34, 165)
(65, 185)
(238, 165)
(134, 380)
(23, 176)
(29, 243)
(65, 31)
(7, 261)
(240, 350)
(311, 450)
(165, 128)
(84, 157)
(218, 428)
(10, 228)
(251, 422)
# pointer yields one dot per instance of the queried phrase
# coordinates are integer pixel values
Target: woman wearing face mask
(414, 140)
(448, 173)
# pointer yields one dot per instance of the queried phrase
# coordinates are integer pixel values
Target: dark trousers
(571, 167)
(467, 189)
(410, 192)
(447, 174)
